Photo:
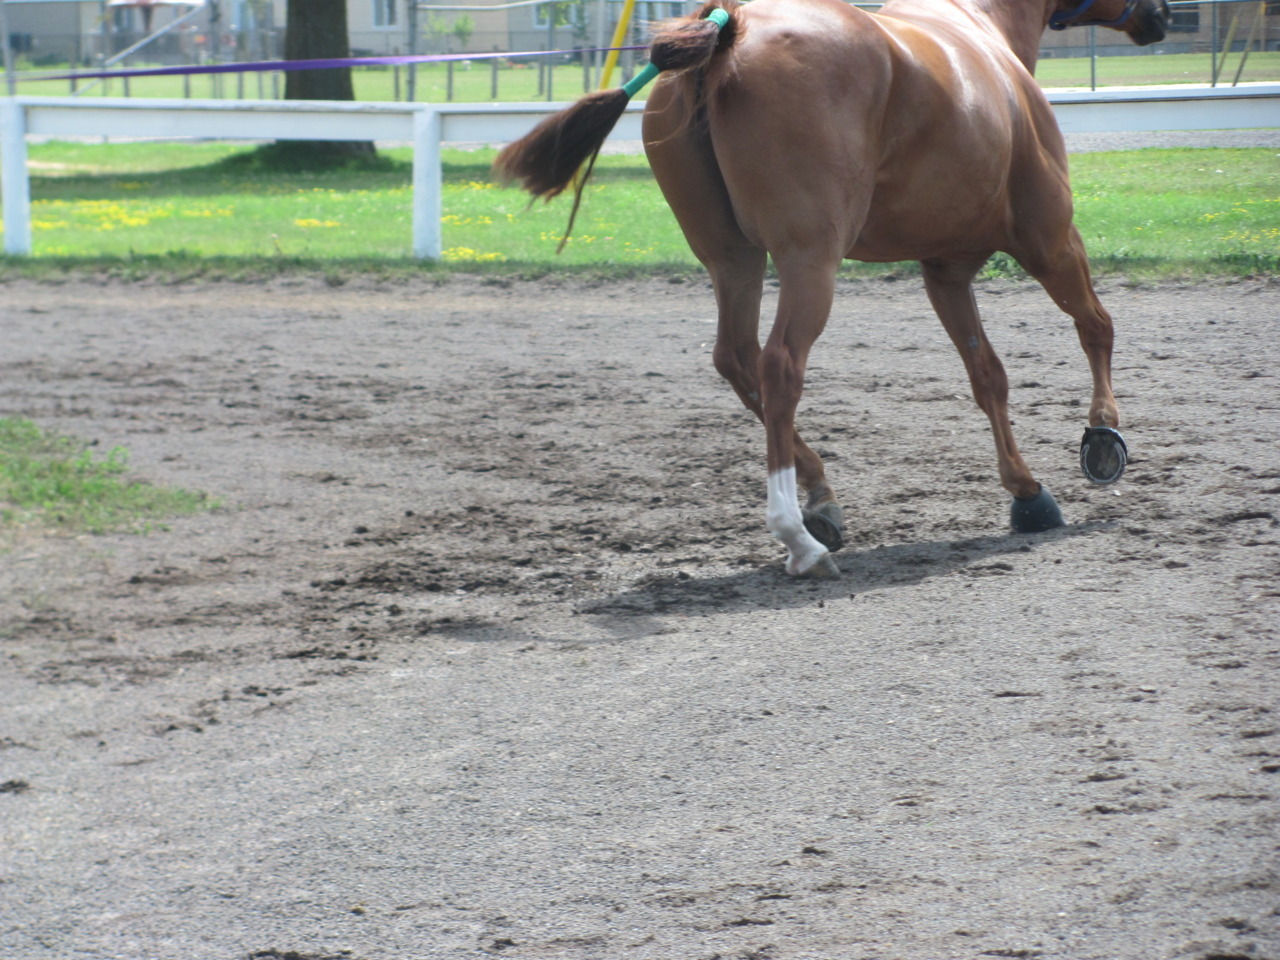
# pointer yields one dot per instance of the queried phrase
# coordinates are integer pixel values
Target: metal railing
(429, 126)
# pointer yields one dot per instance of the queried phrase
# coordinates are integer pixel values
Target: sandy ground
(487, 650)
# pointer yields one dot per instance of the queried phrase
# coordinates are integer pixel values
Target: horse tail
(547, 158)
(689, 43)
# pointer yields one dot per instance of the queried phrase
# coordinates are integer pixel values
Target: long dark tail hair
(547, 159)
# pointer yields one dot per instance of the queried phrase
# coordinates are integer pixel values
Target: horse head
(1145, 21)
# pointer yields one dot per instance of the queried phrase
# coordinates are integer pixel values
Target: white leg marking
(784, 521)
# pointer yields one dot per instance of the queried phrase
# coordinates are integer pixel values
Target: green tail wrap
(641, 80)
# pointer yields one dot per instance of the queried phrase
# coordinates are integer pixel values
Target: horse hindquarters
(780, 159)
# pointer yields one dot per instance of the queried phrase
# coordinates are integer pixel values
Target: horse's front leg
(806, 293)
(1065, 277)
(950, 289)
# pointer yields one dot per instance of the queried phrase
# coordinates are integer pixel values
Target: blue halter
(1062, 19)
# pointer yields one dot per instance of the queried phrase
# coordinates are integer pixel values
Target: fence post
(1258, 21)
(428, 184)
(15, 185)
(1213, 45)
(1093, 58)
(411, 81)
(1226, 49)
(493, 76)
(10, 80)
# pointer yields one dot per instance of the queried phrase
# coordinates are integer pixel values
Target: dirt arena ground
(487, 651)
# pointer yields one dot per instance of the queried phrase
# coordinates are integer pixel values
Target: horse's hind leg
(950, 289)
(1065, 278)
(807, 287)
(686, 169)
(737, 358)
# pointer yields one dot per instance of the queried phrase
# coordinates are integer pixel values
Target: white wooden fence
(427, 126)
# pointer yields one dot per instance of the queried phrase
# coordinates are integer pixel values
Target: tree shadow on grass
(216, 179)
(281, 168)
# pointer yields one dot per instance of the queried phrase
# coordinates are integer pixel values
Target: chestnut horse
(810, 131)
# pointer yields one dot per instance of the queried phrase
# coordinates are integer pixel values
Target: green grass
(1190, 211)
(1149, 69)
(200, 209)
(125, 200)
(52, 483)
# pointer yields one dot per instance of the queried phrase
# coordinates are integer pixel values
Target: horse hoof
(1035, 514)
(824, 569)
(826, 525)
(1103, 455)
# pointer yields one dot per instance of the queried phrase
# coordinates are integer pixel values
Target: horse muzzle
(1150, 22)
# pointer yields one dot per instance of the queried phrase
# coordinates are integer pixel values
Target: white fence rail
(427, 126)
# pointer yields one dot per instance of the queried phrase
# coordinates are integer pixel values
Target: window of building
(1184, 20)
(384, 13)
(574, 14)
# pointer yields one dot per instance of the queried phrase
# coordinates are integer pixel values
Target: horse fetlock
(804, 551)
(785, 521)
(1104, 414)
(820, 494)
(1017, 479)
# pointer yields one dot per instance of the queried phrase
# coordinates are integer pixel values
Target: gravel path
(488, 652)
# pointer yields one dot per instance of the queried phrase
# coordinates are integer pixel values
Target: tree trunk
(317, 30)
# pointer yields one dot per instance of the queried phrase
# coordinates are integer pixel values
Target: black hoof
(1035, 514)
(1103, 455)
(826, 525)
